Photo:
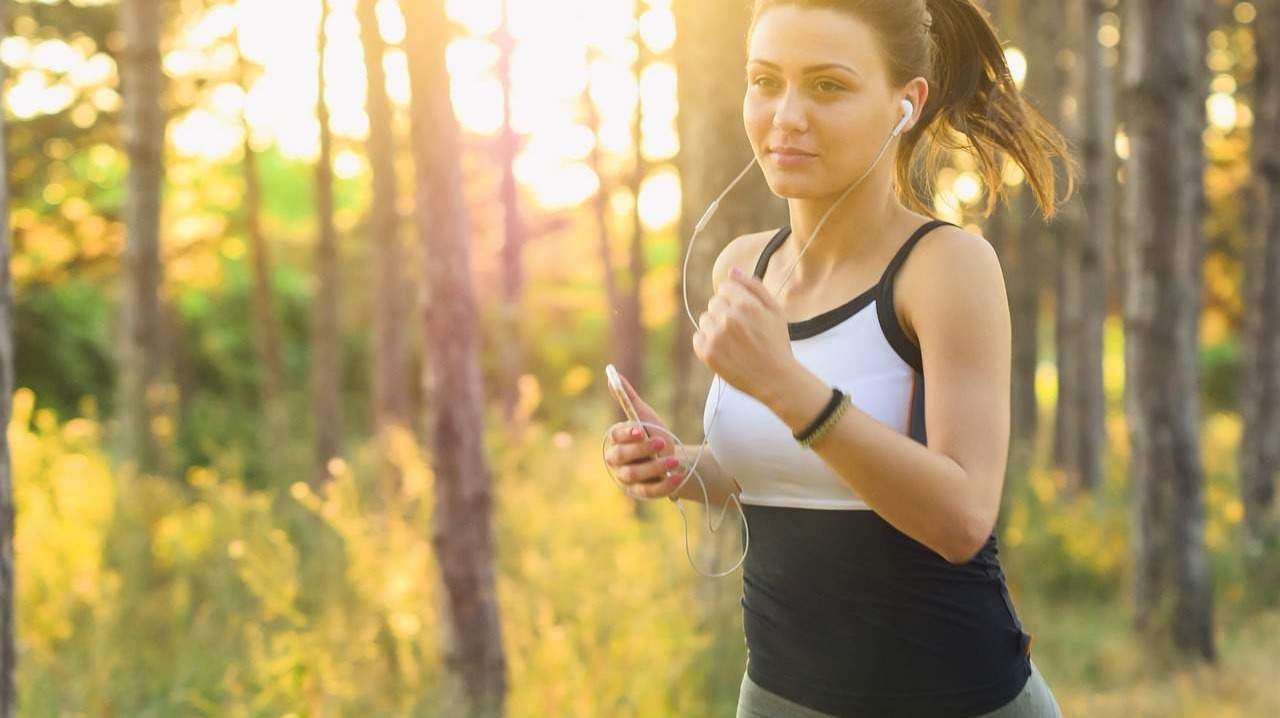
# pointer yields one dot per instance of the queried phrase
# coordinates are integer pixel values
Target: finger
(706, 322)
(638, 474)
(625, 432)
(753, 285)
(648, 472)
(658, 489)
(736, 295)
(657, 446)
(631, 454)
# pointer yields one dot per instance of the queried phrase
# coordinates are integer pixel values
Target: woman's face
(839, 113)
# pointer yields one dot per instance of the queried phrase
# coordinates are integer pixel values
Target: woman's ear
(917, 91)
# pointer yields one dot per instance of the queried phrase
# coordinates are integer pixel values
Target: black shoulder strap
(891, 271)
(893, 331)
(763, 262)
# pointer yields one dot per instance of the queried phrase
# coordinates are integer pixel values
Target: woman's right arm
(719, 484)
(736, 253)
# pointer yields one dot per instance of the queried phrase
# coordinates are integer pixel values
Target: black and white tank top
(842, 612)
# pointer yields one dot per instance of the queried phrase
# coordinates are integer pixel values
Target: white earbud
(908, 110)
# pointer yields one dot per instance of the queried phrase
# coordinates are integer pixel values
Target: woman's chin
(788, 187)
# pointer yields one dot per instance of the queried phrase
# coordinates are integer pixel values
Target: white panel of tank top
(755, 447)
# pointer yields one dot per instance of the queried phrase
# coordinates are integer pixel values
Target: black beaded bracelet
(832, 403)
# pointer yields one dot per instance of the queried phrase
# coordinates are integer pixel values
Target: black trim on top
(915, 427)
(815, 325)
(889, 324)
(768, 251)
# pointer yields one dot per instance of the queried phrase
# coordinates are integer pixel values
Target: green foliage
(62, 332)
(1220, 375)
(145, 596)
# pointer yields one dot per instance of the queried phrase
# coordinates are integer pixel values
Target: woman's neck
(854, 233)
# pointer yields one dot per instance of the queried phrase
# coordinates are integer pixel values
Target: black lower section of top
(847, 615)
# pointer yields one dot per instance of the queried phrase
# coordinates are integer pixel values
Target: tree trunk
(632, 344)
(1067, 232)
(1259, 454)
(462, 526)
(515, 235)
(391, 395)
(1018, 233)
(8, 634)
(604, 243)
(326, 372)
(268, 341)
(1164, 213)
(1083, 459)
(710, 52)
(143, 126)
(618, 306)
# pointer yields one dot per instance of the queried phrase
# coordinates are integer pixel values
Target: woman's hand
(743, 335)
(642, 464)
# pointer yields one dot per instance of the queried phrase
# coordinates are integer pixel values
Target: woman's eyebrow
(811, 68)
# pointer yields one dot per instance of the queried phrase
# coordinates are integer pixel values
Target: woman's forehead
(796, 38)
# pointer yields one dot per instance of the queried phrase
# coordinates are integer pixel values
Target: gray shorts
(1035, 701)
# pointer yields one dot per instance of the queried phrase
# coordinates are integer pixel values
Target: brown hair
(952, 44)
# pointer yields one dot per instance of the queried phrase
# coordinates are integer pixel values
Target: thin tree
(1082, 396)
(515, 234)
(264, 315)
(326, 370)
(1067, 229)
(143, 129)
(615, 301)
(631, 347)
(8, 632)
(1172, 606)
(1018, 236)
(621, 298)
(1259, 452)
(392, 406)
(462, 533)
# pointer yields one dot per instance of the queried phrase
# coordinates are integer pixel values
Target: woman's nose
(790, 113)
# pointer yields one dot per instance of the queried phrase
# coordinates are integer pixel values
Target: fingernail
(658, 444)
(672, 462)
(635, 432)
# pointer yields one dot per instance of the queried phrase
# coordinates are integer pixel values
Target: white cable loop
(684, 276)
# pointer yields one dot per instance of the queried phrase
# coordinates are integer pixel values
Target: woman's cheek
(751, 119)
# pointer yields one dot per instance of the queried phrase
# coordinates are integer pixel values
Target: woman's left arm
(944, 495)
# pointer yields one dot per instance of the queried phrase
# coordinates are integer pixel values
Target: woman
(872, 585)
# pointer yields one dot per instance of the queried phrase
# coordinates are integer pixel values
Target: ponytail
(978, 99)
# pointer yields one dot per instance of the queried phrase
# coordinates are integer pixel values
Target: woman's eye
(823, 85)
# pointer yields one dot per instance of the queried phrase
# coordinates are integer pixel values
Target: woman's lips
(789, 159)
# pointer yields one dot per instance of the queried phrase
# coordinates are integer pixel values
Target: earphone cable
(684, 274)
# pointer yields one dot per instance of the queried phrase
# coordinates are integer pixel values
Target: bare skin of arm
(640, 463)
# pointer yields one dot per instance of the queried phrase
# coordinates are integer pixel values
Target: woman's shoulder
(741, 252)
(952, 262)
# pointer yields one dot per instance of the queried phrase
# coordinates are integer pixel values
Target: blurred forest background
(311, 300)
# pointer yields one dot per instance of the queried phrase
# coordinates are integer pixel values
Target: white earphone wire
(908, 110)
